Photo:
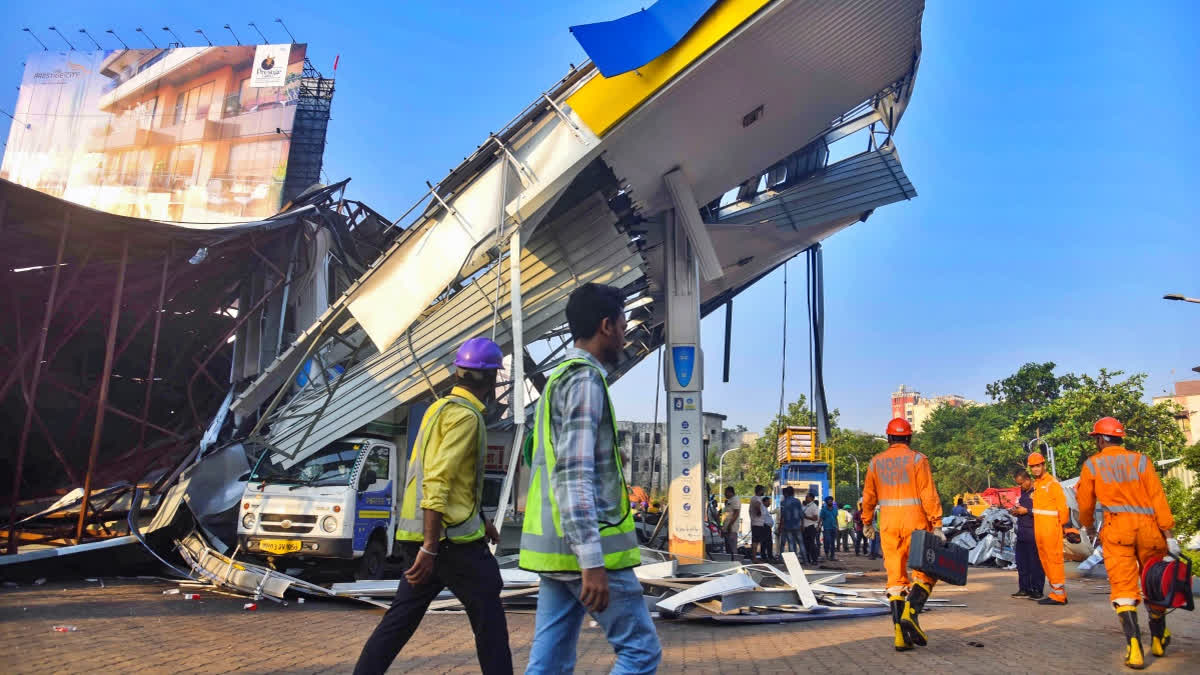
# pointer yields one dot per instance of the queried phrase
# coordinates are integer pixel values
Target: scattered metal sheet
(792, 616)
(797, 580)
(708, 568)
(46, 553)
(386, 588)
(709, 589)
(660, 570)
(225, 572)
(758, 598)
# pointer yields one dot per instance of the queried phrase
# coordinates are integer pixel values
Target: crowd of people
(813, 531)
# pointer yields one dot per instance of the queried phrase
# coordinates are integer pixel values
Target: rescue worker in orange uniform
(1137, 528)
(1051, 516)
(900, 481)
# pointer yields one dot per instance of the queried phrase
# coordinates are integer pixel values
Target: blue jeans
(626, 623)
(830, 542)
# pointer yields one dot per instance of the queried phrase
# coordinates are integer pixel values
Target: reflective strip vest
(543, 546)
(410, 526)
(1122, 481)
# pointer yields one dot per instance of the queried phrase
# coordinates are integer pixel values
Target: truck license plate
(279, 546)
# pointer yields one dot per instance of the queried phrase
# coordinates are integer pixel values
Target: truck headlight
(248, 521)
(329, 524)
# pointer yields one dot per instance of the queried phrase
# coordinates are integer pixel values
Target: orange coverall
(1050, 513)
(1135, 514)
(900, 481)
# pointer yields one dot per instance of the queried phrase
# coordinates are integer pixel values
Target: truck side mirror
(368, 477)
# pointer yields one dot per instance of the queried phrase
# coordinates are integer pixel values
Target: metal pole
(109, 346)
(158, 314)
(517, 397)
(721, 470)
(31, 404)
(857, 478)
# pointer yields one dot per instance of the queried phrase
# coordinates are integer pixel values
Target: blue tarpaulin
(621, 45)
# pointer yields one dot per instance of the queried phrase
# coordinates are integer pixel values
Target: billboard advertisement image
(197, 135)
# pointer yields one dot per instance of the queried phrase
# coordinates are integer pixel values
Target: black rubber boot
(1135, 658)
(1160, 637)
(901, 642)
(917, 596)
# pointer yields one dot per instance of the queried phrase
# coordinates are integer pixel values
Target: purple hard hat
(479, 354)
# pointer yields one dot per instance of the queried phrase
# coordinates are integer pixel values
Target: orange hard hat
(899, 427)
(1035, 458)
(1108, 426)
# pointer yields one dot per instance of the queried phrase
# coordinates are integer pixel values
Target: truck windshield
(333, 465)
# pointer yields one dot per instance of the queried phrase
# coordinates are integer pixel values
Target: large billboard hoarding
(193, 134)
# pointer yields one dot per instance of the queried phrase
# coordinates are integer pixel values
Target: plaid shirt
(586, 481)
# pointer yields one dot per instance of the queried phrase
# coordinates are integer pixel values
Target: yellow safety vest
(543, 546)
(410, 526)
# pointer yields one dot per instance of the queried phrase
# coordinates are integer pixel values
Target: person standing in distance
(441, 529)
(900, 482)
(577, 488)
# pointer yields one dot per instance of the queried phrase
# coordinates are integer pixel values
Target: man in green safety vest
(578, 531)
(440, 528)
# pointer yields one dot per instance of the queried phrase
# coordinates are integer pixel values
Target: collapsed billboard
(192, 134)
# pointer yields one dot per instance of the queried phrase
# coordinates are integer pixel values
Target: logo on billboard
(270, 65)
(678, 405)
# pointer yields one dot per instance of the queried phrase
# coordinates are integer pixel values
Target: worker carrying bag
(942, 562)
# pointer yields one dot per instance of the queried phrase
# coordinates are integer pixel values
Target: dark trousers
(844, 540)
(471, 573)
(1030, 576)
(812, 542)
(861, 547)
(830, 542)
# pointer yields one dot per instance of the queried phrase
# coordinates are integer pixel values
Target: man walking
(577, 489)
(1031, 581)
(812, 528)
(829, 526)
(791, 517)
(440, 526)
(731, 520)
(844, 521)
(758, 540)
(768, 529)
(861, 545)
(1137, 529)
(900, 482)
(1050, 515)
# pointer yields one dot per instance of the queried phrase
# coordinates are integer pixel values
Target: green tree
(967, 448)
(849, 445)
(1185, 503)
(1066, 420)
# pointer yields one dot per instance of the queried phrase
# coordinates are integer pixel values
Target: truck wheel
(371, 564)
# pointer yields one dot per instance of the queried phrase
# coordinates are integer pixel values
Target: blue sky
(1051, 145)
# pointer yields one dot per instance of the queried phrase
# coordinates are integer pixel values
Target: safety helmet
(1168, 582)
(899, 427)
(1035, 458)
(479, 354)
(1108, 426)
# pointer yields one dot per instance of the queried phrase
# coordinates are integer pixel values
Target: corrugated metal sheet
(581, 246)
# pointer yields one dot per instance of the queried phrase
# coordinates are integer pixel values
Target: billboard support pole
(105, 375)
(31, 401)
(158, 314)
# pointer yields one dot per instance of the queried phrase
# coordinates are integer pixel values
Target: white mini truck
(335, 507)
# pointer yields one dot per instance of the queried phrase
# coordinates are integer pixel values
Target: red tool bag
(1168, 582)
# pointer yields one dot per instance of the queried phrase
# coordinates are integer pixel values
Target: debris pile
(990, 538)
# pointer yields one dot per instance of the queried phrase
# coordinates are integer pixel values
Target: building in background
(909, 404)
(1187, 397)
(643, 448)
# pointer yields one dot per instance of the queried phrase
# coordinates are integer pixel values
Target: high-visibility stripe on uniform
(1126, 508)
(543, 546)
(1045, 512)
(910, 501)
(409, 525)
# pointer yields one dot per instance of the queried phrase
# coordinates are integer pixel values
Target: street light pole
(721, 471)
(1178, 296)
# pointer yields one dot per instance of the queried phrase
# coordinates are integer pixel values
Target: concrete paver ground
(130, 626)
